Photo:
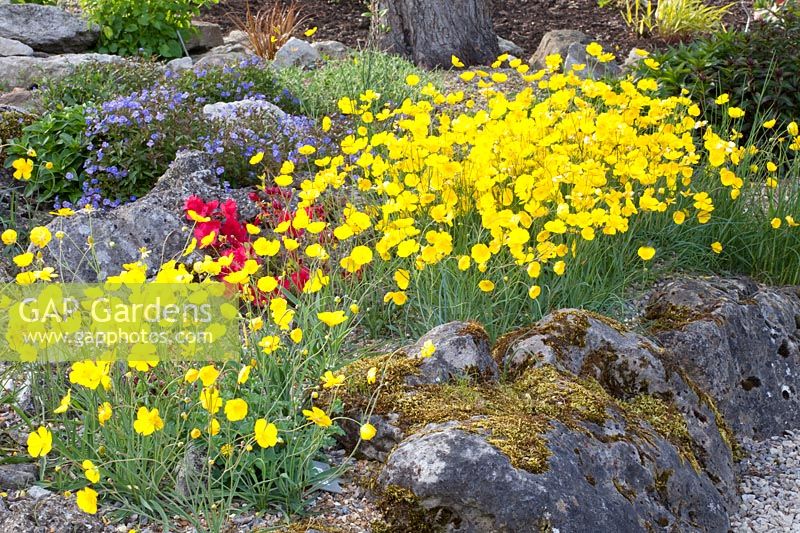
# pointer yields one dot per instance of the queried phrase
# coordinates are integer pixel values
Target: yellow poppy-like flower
(40, 442)
(208, 375)
(332, 318)
(91, 472)
(735, 112)
(104, 412)
(40, 236)
(367, 431)
(534, 291)
(86, 499)
(147, 421)
(23, 169)
(317, 416)
(266, 433)
(456, 62)
(486, 285)
(210, 399)
(330, 381)
(64, 404)
(427, 350)
(716, 247)
(722, 99)
(257, 158)
(8, 237)
(372, 375)
(195, 433)
(396, 297)
(23, 260)
(769, 124)
(646, 253)
(775, 223)
(310, 32)
(236, 409)
(244, 374)
(412, 80)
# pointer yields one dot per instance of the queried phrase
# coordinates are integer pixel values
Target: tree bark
(429, 32)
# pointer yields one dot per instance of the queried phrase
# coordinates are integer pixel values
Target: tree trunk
(429, 32)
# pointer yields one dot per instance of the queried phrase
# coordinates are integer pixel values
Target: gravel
(770, 486)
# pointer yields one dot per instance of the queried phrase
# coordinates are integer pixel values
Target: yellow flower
(735, 112)
(213, 427)
(722, 99)
(775, 223)
(354, 308)
(296, 335)
(266, 433)
(147, 421)
(367, 431)
(86, 499)
(269, 344)
(559, 268)
(402, 277)
(210, 399)
(679, 217)
(64, 404)
(330, 381)
(326, 124)
(208, 375)
(257, 158)
(191, 375)
(104, 412)
(23, 169)
(91, 472)
(769, 124)
(23, 260)
(792, 128)
(317, 416)
(412, 80)
(534, 292)
(646, 253)
(244, 374)
(396, 297)
(9, 237)
(40, 442)
(332, 318)
(594, 49)
(195, 433)
(372, 375)
(235, 409)
(486, 285)
(716, 247)
(310, 32)
(40, 236)
(306, 149)
(428, 349)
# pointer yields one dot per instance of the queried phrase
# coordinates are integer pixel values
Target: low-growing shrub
(99, 82)
(756, 68)
(144, 27)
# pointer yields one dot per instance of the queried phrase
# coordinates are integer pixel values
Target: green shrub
(756, 68)
(144, 27)
(99, 82)
(320, 90)
(59, 144)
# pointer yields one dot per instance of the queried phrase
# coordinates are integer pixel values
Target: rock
(297, 53)
(11, 47)
(240, 108)
(577, 55)
(47, 28)
(332, 49)
(180, 64)
(237, 37)
(155, 221)
(37, 493)
(24, 72)
(18, 98)
(223, 56)
(510, 47)
(627, 365)
(634, 58)
(462, 352)
(607, 478)
(740, 342)
(557, 42)
(17, 476)
(206, 35)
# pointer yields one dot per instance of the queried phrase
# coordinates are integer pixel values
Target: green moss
(667, 421)
(667, 316)
(402, 513)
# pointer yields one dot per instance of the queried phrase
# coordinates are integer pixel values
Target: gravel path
(770, 486)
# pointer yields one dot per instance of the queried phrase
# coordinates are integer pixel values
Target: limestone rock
(26, 71)
(17, 476)
(510, 47)
(740, 342)
(332, 49)
(239, 108)
(461, 351)
(11, 47)
(227, 55)
(206, 36)
(297, 53)
(155, 221)
(47, 28)
(180, 64)
(557, 42)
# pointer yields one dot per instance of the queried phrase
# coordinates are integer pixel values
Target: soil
(522, 21)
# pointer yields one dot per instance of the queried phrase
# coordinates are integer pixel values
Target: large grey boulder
(627, 365)
(297, 53)
(598, 478)
(226, 55)
(156, 221)
(11, 47)
(557, 42)
(24, 72)
(740, 342)
(233, 111)
(462, 352)
(204, 36)
(510, 47)
(17, 476)
(332, 49)
(592, 68)
(47, 28)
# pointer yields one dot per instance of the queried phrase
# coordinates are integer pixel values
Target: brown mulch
(522, 21)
